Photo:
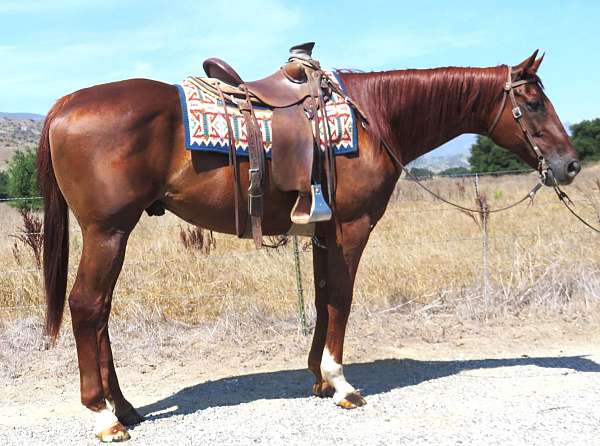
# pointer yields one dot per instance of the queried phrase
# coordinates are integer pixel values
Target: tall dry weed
(422, 257)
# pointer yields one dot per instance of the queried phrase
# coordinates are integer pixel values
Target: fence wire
(266, 254)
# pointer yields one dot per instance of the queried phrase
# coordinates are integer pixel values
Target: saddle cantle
(219, 69)
(297, 94)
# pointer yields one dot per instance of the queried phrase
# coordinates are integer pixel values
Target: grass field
(423, 257)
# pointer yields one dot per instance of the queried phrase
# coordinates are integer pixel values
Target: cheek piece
(509, 86)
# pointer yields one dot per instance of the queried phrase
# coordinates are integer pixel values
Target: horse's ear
(537, 63)
(529, 66)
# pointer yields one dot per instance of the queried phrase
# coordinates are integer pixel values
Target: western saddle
(297, 94)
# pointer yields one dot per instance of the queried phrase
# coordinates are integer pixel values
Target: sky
(49, 48)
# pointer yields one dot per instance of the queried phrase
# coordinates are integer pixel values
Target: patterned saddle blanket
(206, 126)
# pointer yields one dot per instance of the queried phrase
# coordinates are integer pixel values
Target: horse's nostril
(573, 168)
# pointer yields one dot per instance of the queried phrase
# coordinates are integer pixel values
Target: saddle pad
(206, 127)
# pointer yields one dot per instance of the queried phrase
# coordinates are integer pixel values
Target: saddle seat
(287, 86)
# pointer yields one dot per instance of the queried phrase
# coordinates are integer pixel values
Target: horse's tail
(56, 230)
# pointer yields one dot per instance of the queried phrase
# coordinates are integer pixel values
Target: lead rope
(530, 195)
(564, 198)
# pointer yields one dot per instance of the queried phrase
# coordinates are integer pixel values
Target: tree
(22, 180)
(585, 137)
(489, 157)
(421, 172)
(3, 185)
(455, 171)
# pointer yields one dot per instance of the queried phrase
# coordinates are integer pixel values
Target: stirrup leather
(319, 210)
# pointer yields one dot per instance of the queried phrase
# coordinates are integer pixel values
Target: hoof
(352, 401)
(130, 417)
(323, 389)
(115, 433)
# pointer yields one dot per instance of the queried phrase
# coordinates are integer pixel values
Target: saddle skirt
(206, 126)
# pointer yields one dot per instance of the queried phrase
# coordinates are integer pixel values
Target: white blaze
(333, 373)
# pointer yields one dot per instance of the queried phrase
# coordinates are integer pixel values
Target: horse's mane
(419, 105)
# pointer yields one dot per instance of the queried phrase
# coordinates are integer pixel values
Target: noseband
(508, 91)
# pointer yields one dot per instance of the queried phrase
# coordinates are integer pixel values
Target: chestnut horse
(111, 151)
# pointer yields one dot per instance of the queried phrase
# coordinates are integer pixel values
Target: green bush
(22, 180)
(421, 172)
(455, 171)
(585, 136)
(3, 185)
(486, 156)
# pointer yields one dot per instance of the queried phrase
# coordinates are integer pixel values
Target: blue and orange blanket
(206, 127)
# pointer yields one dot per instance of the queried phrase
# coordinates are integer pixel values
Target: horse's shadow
(373, 378)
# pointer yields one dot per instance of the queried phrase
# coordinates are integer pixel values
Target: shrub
(3, 185)
(22, 180)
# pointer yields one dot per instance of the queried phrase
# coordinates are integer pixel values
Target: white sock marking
(333, 373)
(104, 419)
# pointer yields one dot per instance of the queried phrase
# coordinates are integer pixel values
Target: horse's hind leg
(90, 301)
(123, 410)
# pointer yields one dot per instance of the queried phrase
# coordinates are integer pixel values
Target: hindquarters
(112, 146)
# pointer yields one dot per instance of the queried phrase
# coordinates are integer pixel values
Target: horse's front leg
(344, 250)
(321, 387)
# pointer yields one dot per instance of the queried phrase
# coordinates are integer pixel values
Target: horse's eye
(534, 106)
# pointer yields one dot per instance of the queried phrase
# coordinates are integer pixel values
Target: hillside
(33, 116)
(437, 163)
(17, 133)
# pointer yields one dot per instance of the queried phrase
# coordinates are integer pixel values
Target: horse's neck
(419, 110)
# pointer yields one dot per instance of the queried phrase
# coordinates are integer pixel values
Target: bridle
(508, 92)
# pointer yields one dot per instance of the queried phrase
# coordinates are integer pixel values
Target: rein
(530, 195)
(564, 198)
(517, 114)
(543, 167)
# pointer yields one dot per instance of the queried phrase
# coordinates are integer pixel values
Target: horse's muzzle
(562, 171)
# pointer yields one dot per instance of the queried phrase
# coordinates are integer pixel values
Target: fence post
(299, 289)
(484, 207)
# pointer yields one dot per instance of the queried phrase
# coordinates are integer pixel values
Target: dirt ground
(384, 354)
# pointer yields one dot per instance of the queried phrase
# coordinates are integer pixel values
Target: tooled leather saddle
(297, 94)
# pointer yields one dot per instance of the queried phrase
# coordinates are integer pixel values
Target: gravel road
(469, 391)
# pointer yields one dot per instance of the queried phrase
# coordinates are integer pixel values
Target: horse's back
(121, 104)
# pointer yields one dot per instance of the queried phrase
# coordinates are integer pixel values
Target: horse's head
(527, 124)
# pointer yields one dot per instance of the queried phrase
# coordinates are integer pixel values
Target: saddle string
(233, 163)
(329, 157)
(257, 164)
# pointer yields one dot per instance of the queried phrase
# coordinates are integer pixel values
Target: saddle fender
(293, 149)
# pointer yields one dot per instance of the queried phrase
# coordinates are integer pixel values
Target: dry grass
(423, 257)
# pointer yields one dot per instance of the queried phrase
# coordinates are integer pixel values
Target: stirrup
(319, 210)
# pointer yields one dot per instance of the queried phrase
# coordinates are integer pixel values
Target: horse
(111, 151)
